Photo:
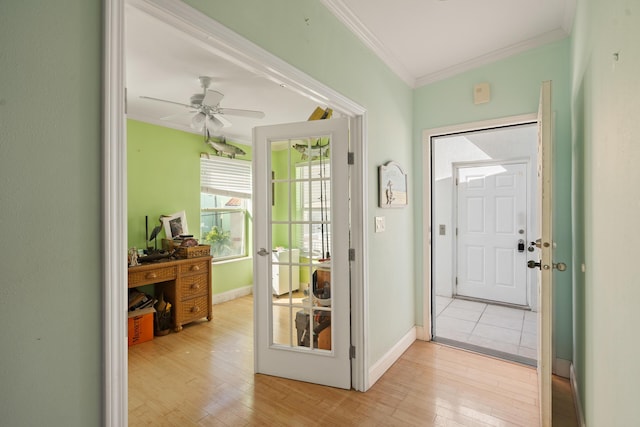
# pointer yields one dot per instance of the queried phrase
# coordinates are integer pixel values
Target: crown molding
(496, 55)
(351, 21)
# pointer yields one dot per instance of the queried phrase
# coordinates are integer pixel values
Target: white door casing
(278, 348)
(491, 231)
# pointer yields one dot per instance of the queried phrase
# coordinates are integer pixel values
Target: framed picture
(392, 184)
(175, 224)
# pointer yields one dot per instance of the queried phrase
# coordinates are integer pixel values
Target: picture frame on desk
(175, 224)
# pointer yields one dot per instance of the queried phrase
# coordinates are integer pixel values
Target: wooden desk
(186, 284)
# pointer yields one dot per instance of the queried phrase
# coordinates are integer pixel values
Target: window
(225, 199)
(313, 198)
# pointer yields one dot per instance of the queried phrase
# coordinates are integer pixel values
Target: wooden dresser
(186, 284)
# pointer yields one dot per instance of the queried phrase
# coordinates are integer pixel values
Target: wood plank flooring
(203, 376)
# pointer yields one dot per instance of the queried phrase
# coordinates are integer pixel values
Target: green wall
(515, 89)
(163, 167)
(50, 213)
(605, 87)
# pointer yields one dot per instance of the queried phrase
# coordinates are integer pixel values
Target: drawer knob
(195, 268)
(195, 309)
(195, 286)
(151, 275)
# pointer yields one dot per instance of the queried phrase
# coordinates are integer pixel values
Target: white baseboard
(576, 397)
(381, 366)
(562, 367)
(232, 294)
(422, 334)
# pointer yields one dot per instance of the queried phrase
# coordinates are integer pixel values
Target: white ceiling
(426, 40)
(420, 40)
(163, 62)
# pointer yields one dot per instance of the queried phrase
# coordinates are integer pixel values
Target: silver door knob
(561, 266)
(263, 252)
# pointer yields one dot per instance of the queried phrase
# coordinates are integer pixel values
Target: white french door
(492, 231)
(301, 203)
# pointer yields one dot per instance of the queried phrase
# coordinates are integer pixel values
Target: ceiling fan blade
(198, 121)
(164, 100)
(212, 98)
(242, 113)
(219, 118)
(213, 125)
(178, 116)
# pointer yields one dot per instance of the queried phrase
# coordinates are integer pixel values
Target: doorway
(235, 48)
(483, 183)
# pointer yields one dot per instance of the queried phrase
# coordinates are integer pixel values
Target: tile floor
(494, 327)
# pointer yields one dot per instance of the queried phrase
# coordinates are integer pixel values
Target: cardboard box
(141, 326)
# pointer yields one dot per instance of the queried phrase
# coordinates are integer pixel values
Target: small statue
(133, 257)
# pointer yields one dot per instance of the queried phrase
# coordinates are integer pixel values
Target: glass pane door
(301, 232)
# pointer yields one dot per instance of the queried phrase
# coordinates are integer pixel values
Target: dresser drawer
(191, 286)
(195, 308)
(195, 267)
(157, 275)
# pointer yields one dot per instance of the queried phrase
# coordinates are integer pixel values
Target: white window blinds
(226, 177)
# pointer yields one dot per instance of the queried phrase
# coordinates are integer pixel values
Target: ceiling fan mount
(209, 115)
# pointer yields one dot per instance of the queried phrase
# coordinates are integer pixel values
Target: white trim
(222, 41)
(426, 238)
(345, 15)
(249, 55)
(359, 242)
(577, 403)
(423, 334)
(114, 175)
(390, 357)
(232, 294)
(496, 55)
(427, 134)
(561, 367)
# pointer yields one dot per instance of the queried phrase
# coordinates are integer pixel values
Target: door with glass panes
(301, 244)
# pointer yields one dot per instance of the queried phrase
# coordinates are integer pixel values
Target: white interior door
(491, 232)
(545, 245)
(301, 203)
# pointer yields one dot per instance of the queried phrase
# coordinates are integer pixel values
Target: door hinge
(350, 158)
(352, 254)
(456, 231)
(456, 280)
(352, 352)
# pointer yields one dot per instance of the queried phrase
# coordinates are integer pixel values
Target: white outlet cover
(379, 224)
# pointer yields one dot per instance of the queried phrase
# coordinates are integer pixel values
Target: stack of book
(139, 300)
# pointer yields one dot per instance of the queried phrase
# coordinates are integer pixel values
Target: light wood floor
(203, 376)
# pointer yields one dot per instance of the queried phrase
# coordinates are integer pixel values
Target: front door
(492, 231)
(301, 237)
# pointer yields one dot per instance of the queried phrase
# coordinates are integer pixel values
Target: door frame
(425, 332)
(220, 39)
(529, 225)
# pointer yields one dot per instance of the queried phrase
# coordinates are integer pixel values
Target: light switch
(442, 230)
(379, 224)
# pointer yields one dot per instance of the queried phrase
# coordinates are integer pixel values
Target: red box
(141, 326)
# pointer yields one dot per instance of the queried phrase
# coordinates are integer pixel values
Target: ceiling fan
(206, 106)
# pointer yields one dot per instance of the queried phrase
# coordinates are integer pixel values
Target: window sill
(230, 261)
